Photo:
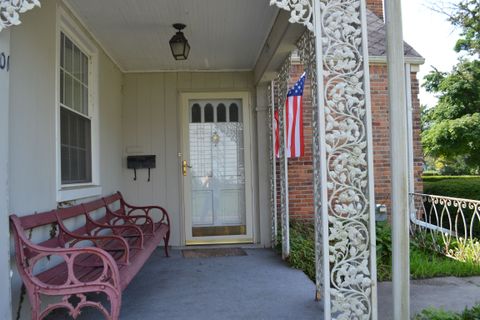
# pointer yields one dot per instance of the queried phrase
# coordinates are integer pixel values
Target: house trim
(5, 271)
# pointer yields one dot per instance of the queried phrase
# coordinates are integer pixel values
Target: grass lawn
(467, 187)
(423, 263)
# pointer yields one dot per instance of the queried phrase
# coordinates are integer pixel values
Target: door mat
(210, 253)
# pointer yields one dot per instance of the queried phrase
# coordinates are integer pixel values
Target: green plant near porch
(423, 263)
(440, 314)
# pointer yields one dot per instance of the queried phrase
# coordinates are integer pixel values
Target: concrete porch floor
(258, 286)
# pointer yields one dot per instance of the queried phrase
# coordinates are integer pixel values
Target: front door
(216, 169)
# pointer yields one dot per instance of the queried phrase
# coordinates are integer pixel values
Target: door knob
(184, 167)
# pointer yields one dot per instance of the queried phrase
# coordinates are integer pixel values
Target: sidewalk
(449, 293)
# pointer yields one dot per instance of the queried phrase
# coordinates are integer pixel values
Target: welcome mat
(211, 253)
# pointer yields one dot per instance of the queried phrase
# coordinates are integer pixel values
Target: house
(300, 170)
(86, 84)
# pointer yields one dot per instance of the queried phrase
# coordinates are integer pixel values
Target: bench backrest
(115, 203)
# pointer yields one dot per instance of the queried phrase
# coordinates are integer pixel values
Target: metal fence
(448, 225)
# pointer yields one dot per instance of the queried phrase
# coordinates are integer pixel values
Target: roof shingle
(377, 44)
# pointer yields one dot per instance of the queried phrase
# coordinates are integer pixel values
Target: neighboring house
(90, 83)
(301, 170)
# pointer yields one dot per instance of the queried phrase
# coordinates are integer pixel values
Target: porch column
(346, 160)
(5, 300)
(263, 160)
(399, 160)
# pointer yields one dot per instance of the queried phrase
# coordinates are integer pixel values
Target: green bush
(423, 263)
(467, 187)
(302, 248)
(440, 314)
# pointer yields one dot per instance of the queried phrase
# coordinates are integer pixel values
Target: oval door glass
(217, 170)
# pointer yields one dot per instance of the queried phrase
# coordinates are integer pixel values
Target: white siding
(151, 123)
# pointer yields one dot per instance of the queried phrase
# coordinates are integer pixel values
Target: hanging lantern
(179, 44)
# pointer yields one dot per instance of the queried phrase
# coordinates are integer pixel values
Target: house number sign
(4, 62)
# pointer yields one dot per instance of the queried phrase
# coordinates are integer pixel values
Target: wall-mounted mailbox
(141, 162)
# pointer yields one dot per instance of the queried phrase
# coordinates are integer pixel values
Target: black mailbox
(141, 162)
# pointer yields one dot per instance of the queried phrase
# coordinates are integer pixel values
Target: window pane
(77, 96)
(75, 150)
(233, 112)
(84, 100)
(77, 63)
(68, 55)
(84, 69)
(68, 94)
(208, 113)
(221, 113)
(62, 50)
(196, 113)
(62, 87)
(65, 158)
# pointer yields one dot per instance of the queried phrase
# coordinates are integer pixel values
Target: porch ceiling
(223, 34)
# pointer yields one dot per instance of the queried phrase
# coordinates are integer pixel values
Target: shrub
(440, 314)
(467, 187)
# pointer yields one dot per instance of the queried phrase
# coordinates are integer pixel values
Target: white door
(216, 169)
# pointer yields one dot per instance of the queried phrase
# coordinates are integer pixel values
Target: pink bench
(101, 256)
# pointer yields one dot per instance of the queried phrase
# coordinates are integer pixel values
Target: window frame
(71, 29)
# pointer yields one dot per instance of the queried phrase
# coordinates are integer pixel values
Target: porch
(257, 286)
(91, 83)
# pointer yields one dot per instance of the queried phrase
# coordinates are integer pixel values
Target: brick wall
(376, 6)
(301, 171)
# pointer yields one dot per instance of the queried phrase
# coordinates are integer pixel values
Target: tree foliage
(451, 130)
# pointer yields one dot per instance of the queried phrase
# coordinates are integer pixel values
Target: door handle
(184, 167)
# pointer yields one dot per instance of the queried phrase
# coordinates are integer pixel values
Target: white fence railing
(448, 225)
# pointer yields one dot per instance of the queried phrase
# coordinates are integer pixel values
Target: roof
(377, 44)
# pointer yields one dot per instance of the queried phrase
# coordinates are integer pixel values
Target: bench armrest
(146, 212)
(109, 277)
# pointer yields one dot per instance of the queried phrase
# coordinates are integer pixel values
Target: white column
(263, 173)
(399, 160)
(273, 163)
(5, 300)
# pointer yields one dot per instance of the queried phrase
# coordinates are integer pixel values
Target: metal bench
(103, 255)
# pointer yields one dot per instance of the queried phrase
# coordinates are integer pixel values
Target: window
(77, 112)
(75, 120)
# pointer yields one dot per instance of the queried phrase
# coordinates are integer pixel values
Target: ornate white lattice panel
(301, 11)
(336, 58)
(273, 161)
(10, 11)
(282, 82)
(345, 131)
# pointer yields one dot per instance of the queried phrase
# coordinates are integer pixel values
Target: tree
(451, 130)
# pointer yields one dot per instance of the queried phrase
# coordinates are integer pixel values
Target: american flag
(294, 120)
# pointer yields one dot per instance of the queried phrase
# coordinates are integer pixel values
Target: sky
(432, 36)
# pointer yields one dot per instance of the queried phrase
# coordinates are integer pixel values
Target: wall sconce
(179, 44)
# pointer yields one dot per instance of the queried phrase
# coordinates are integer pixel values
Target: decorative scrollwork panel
(273, 162)
(10, 11)
(282, 82)
(301, 11)
(347, 139)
